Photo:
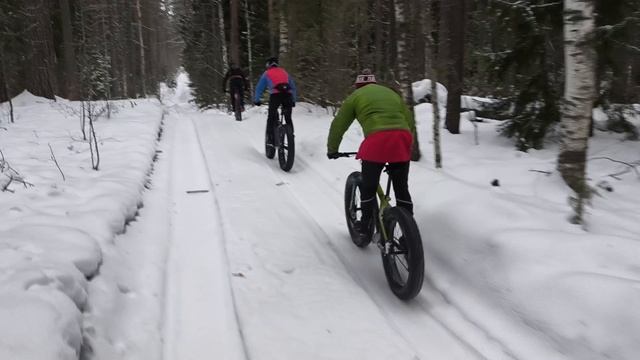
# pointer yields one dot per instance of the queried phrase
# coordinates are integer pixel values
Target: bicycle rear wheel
(404, 260)
(237, 104)
(269, 146)
(286, 147)
(352, 208)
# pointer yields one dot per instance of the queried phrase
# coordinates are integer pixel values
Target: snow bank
(512, 245)
(53, 232)
(422, 91)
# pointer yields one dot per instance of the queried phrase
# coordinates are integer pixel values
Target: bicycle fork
(381, 238)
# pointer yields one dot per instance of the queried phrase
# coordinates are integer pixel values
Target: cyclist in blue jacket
(282, 90)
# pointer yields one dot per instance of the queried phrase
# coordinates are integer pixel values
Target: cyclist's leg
(272, 118)
(231, 99)
(370, 180)
(241, 95)
(399, 173)
(287, 106)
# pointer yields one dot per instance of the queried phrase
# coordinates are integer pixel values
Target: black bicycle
(396, 234)
(237, 105)
(284, 143)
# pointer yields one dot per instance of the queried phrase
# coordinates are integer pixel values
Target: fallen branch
(53, 157)
(541, 171)
(632, 166)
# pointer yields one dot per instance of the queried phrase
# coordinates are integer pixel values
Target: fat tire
(397, 216)
(269, 150)
(286, 156)
(238, 108)
(353, 184)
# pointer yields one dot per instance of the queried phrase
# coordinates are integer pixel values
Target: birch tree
(247, 18)
(141, 44)
(579, 94)
(223, 41)
(283, 30)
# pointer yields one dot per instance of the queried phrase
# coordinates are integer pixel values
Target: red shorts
(387, 146)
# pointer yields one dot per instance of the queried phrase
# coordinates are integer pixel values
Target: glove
(333, 155)
(293, 105)
(257, 103)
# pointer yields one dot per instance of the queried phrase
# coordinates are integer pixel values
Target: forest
(508, 50)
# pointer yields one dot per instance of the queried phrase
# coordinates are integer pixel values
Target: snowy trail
(301, 289)
(428, 314)
(199, 314)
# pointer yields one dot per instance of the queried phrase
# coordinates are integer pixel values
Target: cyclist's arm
(294, 91)
(262, 84)
(340, 124)
(224, 81)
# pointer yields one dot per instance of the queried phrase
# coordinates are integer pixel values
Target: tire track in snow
(384, 309)
(425, 306)
(318, 243)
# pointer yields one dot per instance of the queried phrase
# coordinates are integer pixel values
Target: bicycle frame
(384, 203)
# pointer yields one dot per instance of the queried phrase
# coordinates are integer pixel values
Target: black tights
(399, 173)
(275, 101)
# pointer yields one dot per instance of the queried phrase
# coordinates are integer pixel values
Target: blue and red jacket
(271, 78)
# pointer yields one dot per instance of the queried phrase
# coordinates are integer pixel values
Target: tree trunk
(235, 33)
(272, 29)
(5, 87)
(247, 18)
(71, 90)
(578, 98)
(143, 71)
(433, 40)
(223, 39)
(283, 30)
(41, 55)
(437, 153)
(379, 41)
(454, 20)
(402, 34)
(402, 46)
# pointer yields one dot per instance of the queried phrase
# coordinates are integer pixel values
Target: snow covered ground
(54, 232)
(232, 258)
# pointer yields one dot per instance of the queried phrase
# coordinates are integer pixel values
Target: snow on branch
(9, 175)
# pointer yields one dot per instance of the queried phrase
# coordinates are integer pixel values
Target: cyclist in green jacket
(388, 127)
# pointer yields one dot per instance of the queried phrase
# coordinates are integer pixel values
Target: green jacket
(376, 107)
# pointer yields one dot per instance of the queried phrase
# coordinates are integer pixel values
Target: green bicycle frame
(384, 203)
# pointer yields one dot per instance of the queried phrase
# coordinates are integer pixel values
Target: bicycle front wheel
(353, 209)
(286, 147)
(403, 257)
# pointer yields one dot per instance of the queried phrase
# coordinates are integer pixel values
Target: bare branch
(53, 157)
(632, 166)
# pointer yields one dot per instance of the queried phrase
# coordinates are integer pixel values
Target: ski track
(410, 321)
(198, 290)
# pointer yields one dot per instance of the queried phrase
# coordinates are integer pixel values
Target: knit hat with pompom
(366, 77)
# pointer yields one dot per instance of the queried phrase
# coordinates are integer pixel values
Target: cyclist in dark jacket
(388, 127)
(238, 83)
(282, 90)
